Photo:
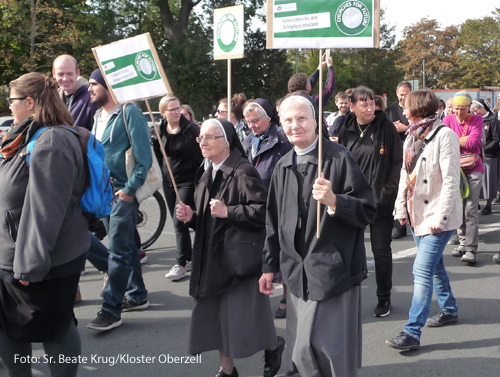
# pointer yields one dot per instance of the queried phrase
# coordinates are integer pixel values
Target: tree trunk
(175, 29)
(33, 35)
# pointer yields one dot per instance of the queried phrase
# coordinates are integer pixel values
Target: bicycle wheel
(151, 218)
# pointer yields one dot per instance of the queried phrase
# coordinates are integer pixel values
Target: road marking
(484, 229)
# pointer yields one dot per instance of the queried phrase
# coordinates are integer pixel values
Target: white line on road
(484, 229)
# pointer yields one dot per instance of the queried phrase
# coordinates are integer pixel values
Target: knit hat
(97, 76)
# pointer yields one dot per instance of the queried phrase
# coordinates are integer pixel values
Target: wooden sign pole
(320, 133)
(162, 147)
(229, 89)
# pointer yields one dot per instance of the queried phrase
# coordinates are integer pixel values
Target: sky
(402, 13)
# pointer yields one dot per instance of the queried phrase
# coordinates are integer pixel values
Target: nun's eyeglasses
(208, 138)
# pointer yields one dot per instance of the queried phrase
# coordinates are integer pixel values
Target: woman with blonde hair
(178, 136)
(44, 238)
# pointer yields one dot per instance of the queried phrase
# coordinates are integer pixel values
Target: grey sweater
(51, 227)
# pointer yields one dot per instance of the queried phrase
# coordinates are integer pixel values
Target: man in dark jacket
(73, 90)
(395, 114)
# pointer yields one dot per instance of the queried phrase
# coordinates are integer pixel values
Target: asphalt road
(149, 341)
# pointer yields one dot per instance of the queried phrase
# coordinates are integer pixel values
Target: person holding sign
(324, 274)
(229, 314)
(299, 81)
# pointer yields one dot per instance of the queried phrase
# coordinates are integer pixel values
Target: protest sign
(323, 24)
(229, 28)
(132, 69)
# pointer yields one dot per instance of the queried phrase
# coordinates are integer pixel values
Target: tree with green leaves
(479, 60)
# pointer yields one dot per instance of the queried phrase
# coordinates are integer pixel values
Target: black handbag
(243, 248)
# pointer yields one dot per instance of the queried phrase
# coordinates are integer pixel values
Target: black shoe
(440, 319)
(272, 359)
(485, 211)
(104, 321)
(454, 240)
(399, 233)
(403, 341)
(496, 201)
(383, 308)
(281, 313)
(129, 305)
(220, 373)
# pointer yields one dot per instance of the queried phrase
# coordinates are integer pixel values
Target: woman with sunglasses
(178, 136)
(44, 235)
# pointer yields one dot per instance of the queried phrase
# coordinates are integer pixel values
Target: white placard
(229, 31)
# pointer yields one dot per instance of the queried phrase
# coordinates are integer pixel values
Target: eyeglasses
(253, 122)
(11, 100)
(299, 120)
(208, 138)
(174, 109)
(219, 111)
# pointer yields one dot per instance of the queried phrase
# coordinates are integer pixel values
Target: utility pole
(423, 73)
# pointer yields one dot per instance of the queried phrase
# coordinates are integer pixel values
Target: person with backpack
(121, 127)
(429, 199)
(44, 236)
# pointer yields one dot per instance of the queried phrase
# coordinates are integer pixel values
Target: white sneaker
(188, 266)
(176, 273)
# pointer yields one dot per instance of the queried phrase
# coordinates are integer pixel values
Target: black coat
(245, 198)
(491, 135)
(336, 261)
(388, 156)
(183, 152)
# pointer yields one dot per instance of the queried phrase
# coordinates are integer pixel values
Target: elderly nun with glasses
(229, 315)
(323, 274)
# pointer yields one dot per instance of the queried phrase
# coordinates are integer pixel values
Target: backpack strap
(31, 144)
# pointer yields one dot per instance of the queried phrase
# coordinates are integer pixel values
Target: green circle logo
(145, 65)
(227, 32)
(352, 17)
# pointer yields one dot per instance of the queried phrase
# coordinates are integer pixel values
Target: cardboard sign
(132, 69)
(229, 24)
(323, 23)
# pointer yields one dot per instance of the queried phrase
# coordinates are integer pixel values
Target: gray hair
(404, 83)
(214, 123)
(293, 101)
(254, 106)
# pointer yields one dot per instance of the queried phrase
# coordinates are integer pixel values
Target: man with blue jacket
(124, 269)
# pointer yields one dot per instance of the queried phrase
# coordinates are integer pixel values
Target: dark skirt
(39, 312)
(238, 322)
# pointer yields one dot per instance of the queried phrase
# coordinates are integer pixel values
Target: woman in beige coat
(428, 198)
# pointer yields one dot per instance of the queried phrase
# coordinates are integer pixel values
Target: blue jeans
(124, 266)
(428, 270)
(182, 236)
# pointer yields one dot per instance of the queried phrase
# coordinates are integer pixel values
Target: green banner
(136, 68)
(323, 18)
